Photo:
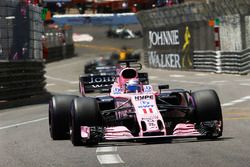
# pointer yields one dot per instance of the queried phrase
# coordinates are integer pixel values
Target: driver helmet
(133, 85)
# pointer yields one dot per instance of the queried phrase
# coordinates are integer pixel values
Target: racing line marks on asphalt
(22, 123)
(181, 81)
(241, 100)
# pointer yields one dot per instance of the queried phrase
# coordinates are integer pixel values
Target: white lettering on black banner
(163, 60)
(163, 38)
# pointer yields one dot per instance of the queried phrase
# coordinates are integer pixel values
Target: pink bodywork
(146, 111)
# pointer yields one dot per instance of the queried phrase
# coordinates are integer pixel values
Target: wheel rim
(50, 119)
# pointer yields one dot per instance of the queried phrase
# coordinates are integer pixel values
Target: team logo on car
(144, 97)
(101, 79)
(145, 104)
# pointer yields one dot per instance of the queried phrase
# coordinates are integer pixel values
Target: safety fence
(222, 62)
(58, 43)
(21, 79)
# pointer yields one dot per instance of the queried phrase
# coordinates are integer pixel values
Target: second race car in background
(123, 32)
(107, 64)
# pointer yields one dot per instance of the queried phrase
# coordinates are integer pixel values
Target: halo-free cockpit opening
(129, 73)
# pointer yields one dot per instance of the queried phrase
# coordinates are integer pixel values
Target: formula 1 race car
(122, 32)
(108, 64)
(100, 75)
(135, 112)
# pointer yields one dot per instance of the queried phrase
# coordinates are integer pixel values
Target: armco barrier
(22, 68)
(21, 79)
(96, 19)
(222, 62)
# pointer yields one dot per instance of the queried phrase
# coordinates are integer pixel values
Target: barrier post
(217, 35)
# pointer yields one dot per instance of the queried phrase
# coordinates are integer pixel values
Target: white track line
(189, 82)
(72, 90)
(241, 100)
(245, 84)
(176, 76)
(218, 82)
(180, 81)
(50, 85)
(103, 159)
(201, 74)
(23, 123)
(106, 149)
(153, 77)
(109, 159)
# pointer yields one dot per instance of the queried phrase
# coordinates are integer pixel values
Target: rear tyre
(84, 112)
(208, 113)
(59, 109)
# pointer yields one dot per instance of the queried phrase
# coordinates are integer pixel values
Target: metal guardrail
(222, 62)
(21, 79)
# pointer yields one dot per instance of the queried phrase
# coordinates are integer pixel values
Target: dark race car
(108, 64)
(136, 112)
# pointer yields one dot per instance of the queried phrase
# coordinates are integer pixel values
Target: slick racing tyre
(208, 111)
(84, 112)
(59, 111)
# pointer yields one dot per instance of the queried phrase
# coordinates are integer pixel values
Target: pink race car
(135, 112)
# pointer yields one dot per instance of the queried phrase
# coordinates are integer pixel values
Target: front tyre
(208, 113)
(59, 109)
(84, 112)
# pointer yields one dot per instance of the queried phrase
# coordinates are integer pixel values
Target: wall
(247, 20)
(230, 33)
(232, 19)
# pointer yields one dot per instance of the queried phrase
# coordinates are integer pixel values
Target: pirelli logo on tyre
(144, 97)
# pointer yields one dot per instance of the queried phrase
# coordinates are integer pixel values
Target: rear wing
(132, 63)
(99, 82)
(100, 69)
(91, 83)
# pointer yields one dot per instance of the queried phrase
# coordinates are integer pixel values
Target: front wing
(150, 138)
(121, 133)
